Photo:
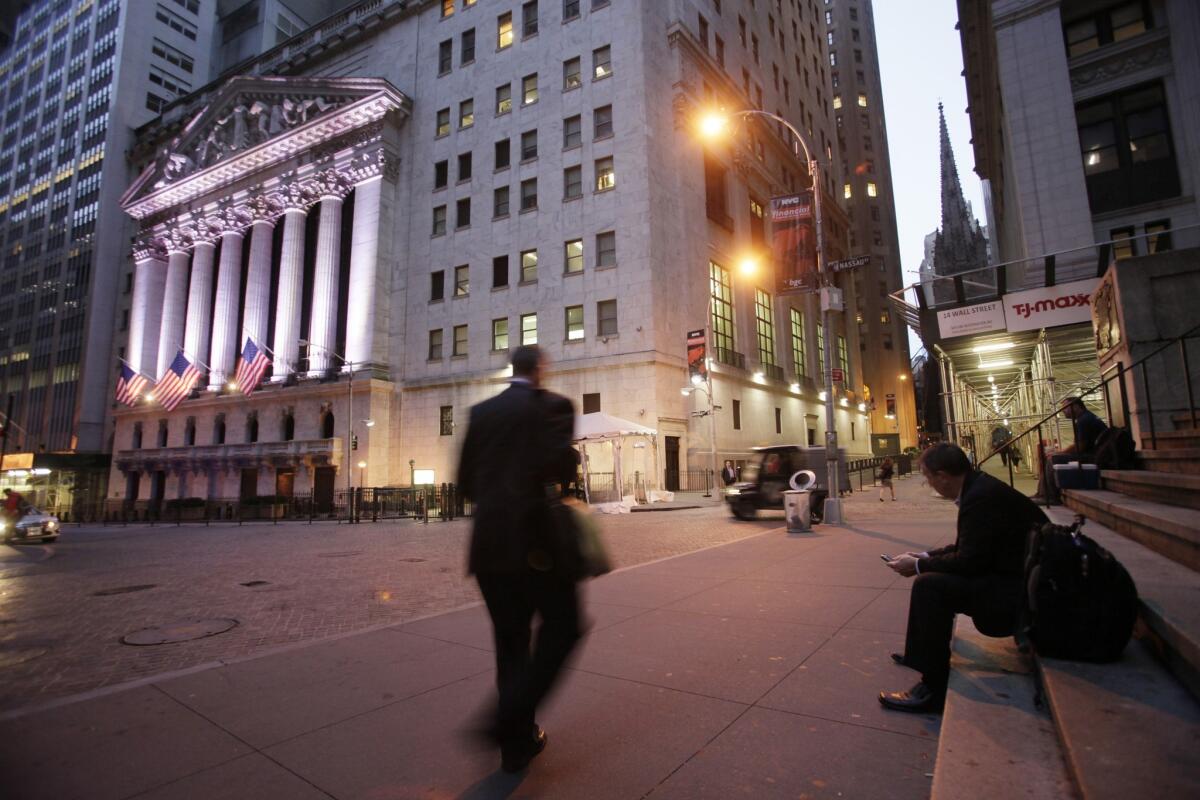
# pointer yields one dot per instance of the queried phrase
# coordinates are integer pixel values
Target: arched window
(219, 429)
(252, 428)
(162, 433)
(136, 441)
(289, 427)
(189, 432)
(327, 425)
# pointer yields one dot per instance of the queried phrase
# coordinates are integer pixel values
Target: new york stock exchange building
(388, 203)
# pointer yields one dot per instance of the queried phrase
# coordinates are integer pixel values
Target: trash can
(796, 510)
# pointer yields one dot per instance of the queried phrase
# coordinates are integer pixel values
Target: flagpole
(136, 371)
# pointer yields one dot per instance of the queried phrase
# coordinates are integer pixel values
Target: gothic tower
(960, 245)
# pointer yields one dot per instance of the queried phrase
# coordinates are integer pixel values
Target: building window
(846, 191)
(572, 132)
(764, 328)
(605, 176)
(529, 89)
(504, 31)
(721, 292)
(574, 323)
(445, 56)
(703, 31)
(500, 334)
(737, 415)
(714, 191)
(1128, 158)
(467, 50)
(887, 341)
(872, 191)
(446, 420)
(443, 122)
(606, 318)
(466, 113)
(529, 264)
(500, 202)
(529, 194)
(821, 350)
(252, 428)
(462, 214)
(219, 430)
(573, 256)
(779, 420)
(1158, 236)
(462, 281)
(757, 222)
(837, 102)
(606, 249)
(500, 272)
(502, 156)
(1113, 24)
(572, 183)
(528, 329)
(799, 355)
(591, 403)
(529, 19)
(464, 167)
(719, 51)
(602, 124)
(437, 285)
(460, 341)
(572, 78)
(441, 174)
(843, 358)
(862, 100)
(447, 8)
(1123, 244)
(503, 99)
(529, 149)
(435, 345)
(570, 10)
(439, 220)
(601, 62)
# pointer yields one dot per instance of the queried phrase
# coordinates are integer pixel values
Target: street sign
(849, 263)
(837, 376)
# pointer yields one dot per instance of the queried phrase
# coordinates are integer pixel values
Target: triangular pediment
(253, 121)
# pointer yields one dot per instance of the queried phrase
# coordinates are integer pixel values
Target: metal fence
(869, 466)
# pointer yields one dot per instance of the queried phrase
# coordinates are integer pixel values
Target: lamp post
(705, 385)
(713, 125)
(349, 420)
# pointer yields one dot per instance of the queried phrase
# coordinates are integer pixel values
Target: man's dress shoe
(515, 756)
(920, 699)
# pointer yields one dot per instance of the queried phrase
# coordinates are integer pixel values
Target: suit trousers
(524, 676)
(993, 602)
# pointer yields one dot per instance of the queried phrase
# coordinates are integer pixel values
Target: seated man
(980, 575)
(1087, 428)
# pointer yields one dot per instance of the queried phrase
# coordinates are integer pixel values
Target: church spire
(955, 215)
(960, 245)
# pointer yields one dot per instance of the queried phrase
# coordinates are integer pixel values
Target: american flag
(177, 383)
(130, 385)
(251, 367)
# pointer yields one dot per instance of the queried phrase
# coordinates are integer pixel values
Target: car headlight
(52, 524)
(732, 491)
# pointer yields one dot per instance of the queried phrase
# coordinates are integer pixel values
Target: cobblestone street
(61, 621)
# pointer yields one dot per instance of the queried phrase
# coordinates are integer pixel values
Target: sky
(920, 60)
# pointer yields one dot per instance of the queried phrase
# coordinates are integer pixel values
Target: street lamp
(713, 125)
(349, 417)
(362, 465)
(698, 384)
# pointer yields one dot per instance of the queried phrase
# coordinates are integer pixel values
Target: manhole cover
(414, 560)
(347, 554)
(11, 658)
(257, 583)
(179, 632)
(141, 587)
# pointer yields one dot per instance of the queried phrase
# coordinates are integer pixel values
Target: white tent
(599, 428)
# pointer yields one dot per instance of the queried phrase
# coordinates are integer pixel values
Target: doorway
(285, 483)
(158, 489)
(671, 464)
(249, 485)
(323, 479)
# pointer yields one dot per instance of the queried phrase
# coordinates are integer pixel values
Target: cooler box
(1077, 476)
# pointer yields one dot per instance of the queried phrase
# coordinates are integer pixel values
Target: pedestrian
(1087, 428)
(980, 575)
(728, 474)
(516, 453)
(1000, 436)
(14, 506)
(886, 471)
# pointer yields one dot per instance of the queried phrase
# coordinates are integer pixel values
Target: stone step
(1183, 460)
(1171, 440)
(994, 742)
(1170, 530)
(1183, 421)
(1161, 487)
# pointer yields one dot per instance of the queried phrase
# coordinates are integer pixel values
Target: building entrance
(323, 480)
(671, 463)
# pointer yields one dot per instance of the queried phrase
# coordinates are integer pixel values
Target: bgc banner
(696, 357)
(794, 243)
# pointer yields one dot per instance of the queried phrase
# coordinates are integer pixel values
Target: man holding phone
(980, 575)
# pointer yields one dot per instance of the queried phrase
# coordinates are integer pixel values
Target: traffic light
(354, 441)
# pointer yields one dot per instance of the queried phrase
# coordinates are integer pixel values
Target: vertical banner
(696, 357)
(794, 243)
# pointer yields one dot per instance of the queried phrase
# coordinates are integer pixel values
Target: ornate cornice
(1113, 62)
(149, 248)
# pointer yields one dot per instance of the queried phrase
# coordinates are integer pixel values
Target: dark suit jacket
(517, 442)
(994, 521)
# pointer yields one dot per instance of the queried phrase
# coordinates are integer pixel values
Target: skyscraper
(869, 201)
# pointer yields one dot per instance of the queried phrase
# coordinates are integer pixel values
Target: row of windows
(605, 255)
(529, 11)
(574, 330)
(175, 22)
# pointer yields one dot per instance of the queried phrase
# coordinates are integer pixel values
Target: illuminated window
(846, 191)
(837, 101)
(504, 31)
(500, 334)
(862, 100)
(573, 256)
(605, 176)
(764, 328)
(799, 360)
(574, 323)
(871, 190)
(528, 329)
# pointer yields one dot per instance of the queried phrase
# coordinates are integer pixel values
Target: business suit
(980, 575)
(519, 442)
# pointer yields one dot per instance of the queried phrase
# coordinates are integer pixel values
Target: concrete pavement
(749, 668)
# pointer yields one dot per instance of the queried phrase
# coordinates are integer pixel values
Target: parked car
(765, 478)
(36, 524)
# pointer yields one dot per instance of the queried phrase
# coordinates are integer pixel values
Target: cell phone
(885, 557)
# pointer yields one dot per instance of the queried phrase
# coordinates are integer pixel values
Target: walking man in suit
(980, 575)
(519, 444)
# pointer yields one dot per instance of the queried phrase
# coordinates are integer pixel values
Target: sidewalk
(751, 668)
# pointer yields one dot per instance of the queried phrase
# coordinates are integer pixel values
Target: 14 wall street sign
(1046, 307)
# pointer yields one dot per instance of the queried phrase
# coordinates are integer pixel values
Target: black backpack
(1115, 449)
(1080, 603)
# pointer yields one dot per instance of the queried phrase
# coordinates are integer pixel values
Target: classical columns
(257, 305)
(174, 308)
(322, 328)
(225, 334)
(290, 293)
(144, 316)
(199, 307)
(364, 250)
